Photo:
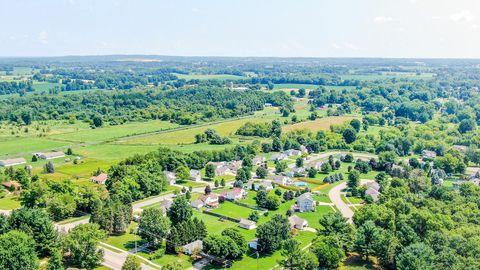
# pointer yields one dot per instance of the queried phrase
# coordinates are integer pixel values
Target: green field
(208, 76)
(232, 210)
(26, 145)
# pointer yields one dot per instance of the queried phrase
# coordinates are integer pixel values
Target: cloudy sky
(306, 28)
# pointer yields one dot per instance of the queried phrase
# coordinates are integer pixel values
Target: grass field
(26, 145)
(230, 209)
(319, 124)
(9, 202)
(314, 217)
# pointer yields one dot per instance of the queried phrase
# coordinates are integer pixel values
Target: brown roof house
(297, 223)
(99, 179)
(247, 224)
(12, 162)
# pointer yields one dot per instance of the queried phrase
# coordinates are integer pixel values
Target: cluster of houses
(226, 168)
(19, 161)
(289, 153)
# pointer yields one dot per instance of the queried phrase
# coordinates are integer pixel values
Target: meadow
(208, 76)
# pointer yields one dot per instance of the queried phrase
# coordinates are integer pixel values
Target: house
(303, 149)
(195, 175)
(280, 179)
(278, 157)
(210, 200)
(297, 222)
(193, 247)
(460, 148)
(428, 155)
(12, 162)
(247, 224)
(12, 185)
(171, 178)
(258, 160)
(373, 189)
(305, 203)
(292, 152)
(268, 104)
(317, 165)
(222, 170)
(235, 194)
(266, 185)
(165, 205)
(50, 155)
(234, 165)
(253, 244)
(296, 172)
(373, 185)
(99, 179)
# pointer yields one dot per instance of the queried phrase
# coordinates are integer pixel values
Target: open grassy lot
(9, 202)
(26, 145)
(319, 124)
(127, 240)
(230, 209)
(314, 217)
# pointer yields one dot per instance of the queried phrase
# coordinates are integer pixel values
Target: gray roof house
(280, 179)
(195, 175)
(171, 179)
(165, 205)
(278, 157)
(292, 152)
(297, 222)
(263, 184)
(258, 160)
(50, 155)
(427, 154)
(12, 162)
(190, 248)
(305, 203)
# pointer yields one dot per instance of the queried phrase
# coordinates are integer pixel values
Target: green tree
(355, 123)
(97, 121)
(416, 256)
(366, 236)
(131, 263)
(210, 171)
(55, 262)
(299, 162)
(467, 125)
(353, 181)
(180, 210)
(295, 257)
(61, 206)
(17, 251)
(272, 233)
(49, 167)
(237, 237)
(328, 251)
(222, 247)
(349, 135)
(261, 172)
(182, 172)
(281, 166)
(153, 226)
(81, 245)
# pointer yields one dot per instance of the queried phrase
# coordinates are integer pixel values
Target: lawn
(314, 217)
(9, 202)
(208, 76)
(232, 210)
(319, 124)
(27, 145)
(352, 200)
(127, 240)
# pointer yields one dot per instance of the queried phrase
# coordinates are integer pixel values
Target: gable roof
(101, 178)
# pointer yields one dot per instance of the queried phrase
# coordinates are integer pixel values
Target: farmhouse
(235, 194)
(50, 155)
(317, 165)
(266, 185)
(278, 157)
(258, 160)
(234, 165)
(12, 185)
(460, 148)
(210, 200)
(171, 179)
(247, 224)
(305, 203)
(99, 179)
(373, 189)
(292, 152)
(12, 162)
(280, 179)
(297, 222)
(193, 247)
(195, 175)
(428, 155)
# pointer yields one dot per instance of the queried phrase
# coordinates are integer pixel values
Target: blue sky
(305, 28)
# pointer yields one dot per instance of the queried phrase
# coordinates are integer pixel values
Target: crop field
(26, 145)
(319, 124)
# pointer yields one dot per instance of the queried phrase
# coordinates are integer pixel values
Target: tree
(296, 258)
(81, 244)
(208, 190)
(272, 233)
(254, 216)
(237, 237)
(466, 125)
(69, 151)
(210, 171)
(281, 166)
(38, 224)
(131, 263)
(312, 172)
(153, 226)
(222, 182)
(17, 251)
(276, 128)
(182, 172)
(328, 251)
(276, 144)
(355, 123)
(55, 261)
(366, 236)
(49, 167)
(353, 181)
(112, 216)
(97, 121)
(243, 174)
(349, 135)
(261, 198)
(261, 172)
(180, 210)
(222, 247)
(299, 162)
(216, 184)
(34, 158)
(61, 206)
(416, 256)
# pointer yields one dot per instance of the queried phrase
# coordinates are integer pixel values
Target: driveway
(336, 198)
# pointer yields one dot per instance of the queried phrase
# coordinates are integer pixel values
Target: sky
(282, 28)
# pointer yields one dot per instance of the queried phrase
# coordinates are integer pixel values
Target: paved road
(64, 228)
(115, 260)
(336, 198)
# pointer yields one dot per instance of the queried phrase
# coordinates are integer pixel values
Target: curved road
(335, 196)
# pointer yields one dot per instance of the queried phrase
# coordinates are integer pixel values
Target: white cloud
(382, 19)
(43, 37)
(465, 16)
(350, 46)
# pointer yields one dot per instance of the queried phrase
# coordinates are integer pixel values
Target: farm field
(208, 76)
(319, 124)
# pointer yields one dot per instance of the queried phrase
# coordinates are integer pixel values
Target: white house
(171, 179)
(297, 222)
(12, 162)
(258, 160)
(426, 154)
(195, 175)
(305, 203)
(373, 189)
(235, 194)
(296, 172)
(280, 179)
(303, 149)
(247, 224)
(292, 152)
(317, 165)
(278, 157)
(210, 200)
(190, 248)
(263, 184)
